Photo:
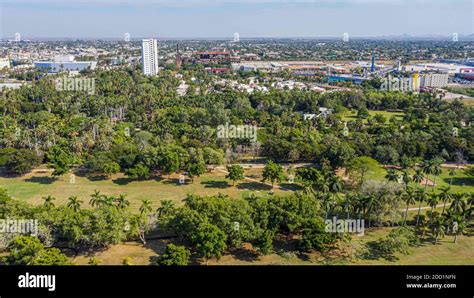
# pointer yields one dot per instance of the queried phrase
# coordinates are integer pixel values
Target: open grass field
(461, 183)
(33, 186)
(352, 115)
(445, 252)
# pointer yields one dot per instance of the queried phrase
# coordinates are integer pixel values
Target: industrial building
(436, 80)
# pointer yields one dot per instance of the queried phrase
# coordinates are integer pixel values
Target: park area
(445, 252)
(39, 183)
(34, 186)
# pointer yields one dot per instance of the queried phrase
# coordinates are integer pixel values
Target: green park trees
(273, 172)
(59, 160)
(18, 161)
(236, 173)
(359, 167)
(27, 250)
(174, 256)
(210, 241)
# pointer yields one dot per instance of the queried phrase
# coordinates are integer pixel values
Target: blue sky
(220, 18)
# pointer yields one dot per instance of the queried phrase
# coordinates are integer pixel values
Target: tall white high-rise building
(17, 37)
(345, 37)
(236, 37)
(150, 56)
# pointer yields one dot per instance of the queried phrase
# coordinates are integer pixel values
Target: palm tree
(406, 178)
(334, 183)
(167, 206)
(107, 201)
(322, 184)
(438, 229)
(420, 197)
(436, 171)
(428, 168)
(409, 199)
(145, 208)
(48, 202)
(326, 204)
(359, 205)
(74, 203)
(350, 204)
(336, 203)
(96, 199)
(433, 202)
(392, 175)
(369, 201)
(445, 196)
(418, 176)
(457, 222)
(470, 202)
(458, 204)
(122, 202)
(452, 173)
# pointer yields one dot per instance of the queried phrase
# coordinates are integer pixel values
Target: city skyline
(221, 18)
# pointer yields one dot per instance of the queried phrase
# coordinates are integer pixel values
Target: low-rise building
(65, 63)
(4, 63)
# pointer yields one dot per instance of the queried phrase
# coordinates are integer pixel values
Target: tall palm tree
(439, 229)
(409, 198)
(406, 178)
(433, 200)
(369, 206)
(107, 201)
(335, 184)
(418, 176)
(420, 196)
(456, 221)
(167, 206)
(74, 203)
(322, 184)
(445, 196)
(326, 204)
(392, 175)
(350, 204)
(122, 202)
(145, 208)
(336, 203)
(452, 173)
(458, 204)
(436, 171)
(428, 168)
(359, 205)
(470, 202)
(96, 199)
(48, 202)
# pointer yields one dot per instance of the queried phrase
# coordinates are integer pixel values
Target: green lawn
(461, 183)
(445, 252)
(352, 116)
(32, 187)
